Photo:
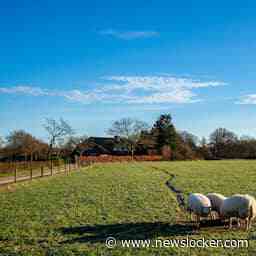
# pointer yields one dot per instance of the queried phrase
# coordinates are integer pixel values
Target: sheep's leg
(226, 222)
(212, 216)
(230, 223)
(198, 221)
(239, 223)
(248, 223)
(191, 216)
(243, 223)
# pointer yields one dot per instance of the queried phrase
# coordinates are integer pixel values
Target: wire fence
(17, 172)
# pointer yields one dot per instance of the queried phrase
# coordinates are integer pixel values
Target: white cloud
(160, 89)
(129, 35)
(34, 91)
(128, 90)
(177, 96)
(249, 99)
(157, 82)
(79, 96)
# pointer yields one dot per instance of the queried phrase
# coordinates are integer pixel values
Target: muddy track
(179, 193)
(208, 225)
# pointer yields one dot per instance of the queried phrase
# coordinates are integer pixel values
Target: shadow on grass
(99, 233)
(136, 231)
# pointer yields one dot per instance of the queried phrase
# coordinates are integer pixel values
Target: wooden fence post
(31, 172)
(51, 168)
(15, 173)
(42, 171)
(59, 166)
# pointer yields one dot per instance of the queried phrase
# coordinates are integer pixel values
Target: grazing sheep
(199, 205)
(252, 211)
(239, 206)
(216, 202)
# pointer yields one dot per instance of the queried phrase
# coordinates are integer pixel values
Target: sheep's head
(206, 211)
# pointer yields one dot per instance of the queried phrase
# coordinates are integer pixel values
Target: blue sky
(92, 62)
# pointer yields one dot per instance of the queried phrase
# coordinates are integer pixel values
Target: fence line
(49, 169)
(113, 158)
(39, 172)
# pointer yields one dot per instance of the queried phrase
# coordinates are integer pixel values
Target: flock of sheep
(239, 207)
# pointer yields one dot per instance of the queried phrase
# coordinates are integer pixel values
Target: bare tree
(220, 140)
(71, 143)
(57, 131)
(189, 139)
(130, 130)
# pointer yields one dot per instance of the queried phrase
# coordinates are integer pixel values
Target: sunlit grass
(73, 214)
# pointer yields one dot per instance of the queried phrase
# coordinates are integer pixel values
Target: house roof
(102, 140)
(104, 144)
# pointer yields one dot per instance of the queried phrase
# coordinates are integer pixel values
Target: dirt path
(179, 194)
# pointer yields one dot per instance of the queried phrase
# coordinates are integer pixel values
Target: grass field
(73, 215)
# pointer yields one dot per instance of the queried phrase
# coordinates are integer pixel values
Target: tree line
(137, 136)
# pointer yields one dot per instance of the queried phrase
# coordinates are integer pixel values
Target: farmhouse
(95, 146)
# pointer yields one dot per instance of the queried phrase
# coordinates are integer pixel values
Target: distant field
(73, 215)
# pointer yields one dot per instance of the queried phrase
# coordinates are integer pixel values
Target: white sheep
(199, 205)
(239, 206)
(216, 202)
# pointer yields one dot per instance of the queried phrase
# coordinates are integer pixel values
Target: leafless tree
(57, 131)
(71, 143)
(190, 139)
(220, 140)
(130, 130)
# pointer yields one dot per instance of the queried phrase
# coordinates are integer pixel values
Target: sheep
(252, 211)
(200, 205)
(239, 206)
(216, 202)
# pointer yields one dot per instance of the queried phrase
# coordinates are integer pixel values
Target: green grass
(72, 215)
